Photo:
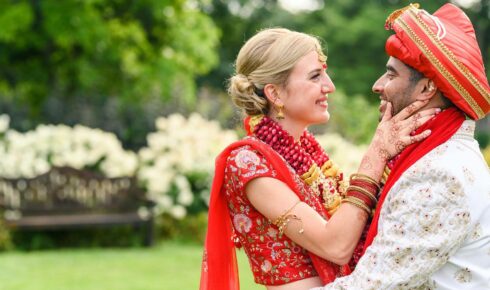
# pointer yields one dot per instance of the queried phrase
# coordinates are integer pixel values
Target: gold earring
(280, 113)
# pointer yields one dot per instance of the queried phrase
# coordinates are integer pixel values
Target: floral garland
(305, 156)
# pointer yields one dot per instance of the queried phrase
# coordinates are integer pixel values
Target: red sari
(219, 268)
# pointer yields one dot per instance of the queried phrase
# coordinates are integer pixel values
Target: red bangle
(368, 186)
(367, 201)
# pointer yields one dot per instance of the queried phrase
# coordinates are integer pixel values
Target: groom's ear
(427, 89)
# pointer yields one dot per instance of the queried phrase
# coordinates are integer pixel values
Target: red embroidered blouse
(274, 260)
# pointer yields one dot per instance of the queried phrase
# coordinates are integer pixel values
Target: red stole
(219, 269)
(443, 126)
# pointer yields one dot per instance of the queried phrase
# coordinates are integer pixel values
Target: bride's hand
(393, 132)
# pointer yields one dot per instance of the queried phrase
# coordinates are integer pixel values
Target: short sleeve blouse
(274, 260)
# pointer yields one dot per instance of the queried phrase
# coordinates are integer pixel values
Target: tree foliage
(134, 50)
(353, 36)
(118, 64)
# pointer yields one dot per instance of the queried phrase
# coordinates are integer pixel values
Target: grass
(168, 266)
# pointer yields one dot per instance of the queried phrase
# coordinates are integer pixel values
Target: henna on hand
(399, 145)
(366, 163)
(394, 134)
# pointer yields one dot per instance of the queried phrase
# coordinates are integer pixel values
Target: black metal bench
(66, 198)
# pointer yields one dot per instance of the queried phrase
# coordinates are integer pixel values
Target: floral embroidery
(246, 158)
(463, 275)
(468, 175)
(266, 266)
(477, 232)
(437, 211)
(242, 223)
(274, 260)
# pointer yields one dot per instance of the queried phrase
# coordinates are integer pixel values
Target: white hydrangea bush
(177, 166)
(344, 153)
(34, 152)
(4, 124)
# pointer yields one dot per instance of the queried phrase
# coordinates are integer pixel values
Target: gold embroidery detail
(450, 55)
(395, 14)
(447, 75)
(254, 120)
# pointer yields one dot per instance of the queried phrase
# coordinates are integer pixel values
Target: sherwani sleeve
(423, 221)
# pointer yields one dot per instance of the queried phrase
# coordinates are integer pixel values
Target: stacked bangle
(364, 177)
(357, 202)
(362, 192)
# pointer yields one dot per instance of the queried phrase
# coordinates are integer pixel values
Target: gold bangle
(358, 203)
(364, 177)
(356, 199)
(361, 175)
(359, 206)
(362, 190)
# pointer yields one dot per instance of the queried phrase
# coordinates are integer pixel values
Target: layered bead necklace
(305, 156)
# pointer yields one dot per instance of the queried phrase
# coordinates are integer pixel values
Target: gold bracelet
(361, 175)
(358, 203)
(282, 221)
(363, 190)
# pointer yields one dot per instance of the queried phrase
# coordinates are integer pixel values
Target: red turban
(443, 47)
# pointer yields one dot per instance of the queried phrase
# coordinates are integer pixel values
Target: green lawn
(169, 266)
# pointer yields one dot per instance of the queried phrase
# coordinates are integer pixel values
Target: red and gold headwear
(443, 47)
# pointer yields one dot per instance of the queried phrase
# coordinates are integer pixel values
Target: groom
(431, 229)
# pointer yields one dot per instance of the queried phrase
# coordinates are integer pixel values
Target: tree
(97, 49)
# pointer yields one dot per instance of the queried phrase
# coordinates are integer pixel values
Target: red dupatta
(219, 268)
(443, 126)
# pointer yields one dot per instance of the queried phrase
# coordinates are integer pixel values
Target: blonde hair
(267, 58)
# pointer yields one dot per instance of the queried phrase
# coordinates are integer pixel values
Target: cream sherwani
(434, 227)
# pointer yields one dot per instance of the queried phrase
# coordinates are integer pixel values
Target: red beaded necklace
(300, 155)
(306, 157)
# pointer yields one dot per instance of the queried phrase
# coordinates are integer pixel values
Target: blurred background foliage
(118, 64)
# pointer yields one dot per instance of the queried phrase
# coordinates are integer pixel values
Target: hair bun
(242, 92)
(242, 84)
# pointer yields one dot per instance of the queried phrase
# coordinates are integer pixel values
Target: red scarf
(443, 126)
(219, 268)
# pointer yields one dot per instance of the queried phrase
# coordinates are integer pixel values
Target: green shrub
(121, 236)
(5, 237)
(190, 229)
